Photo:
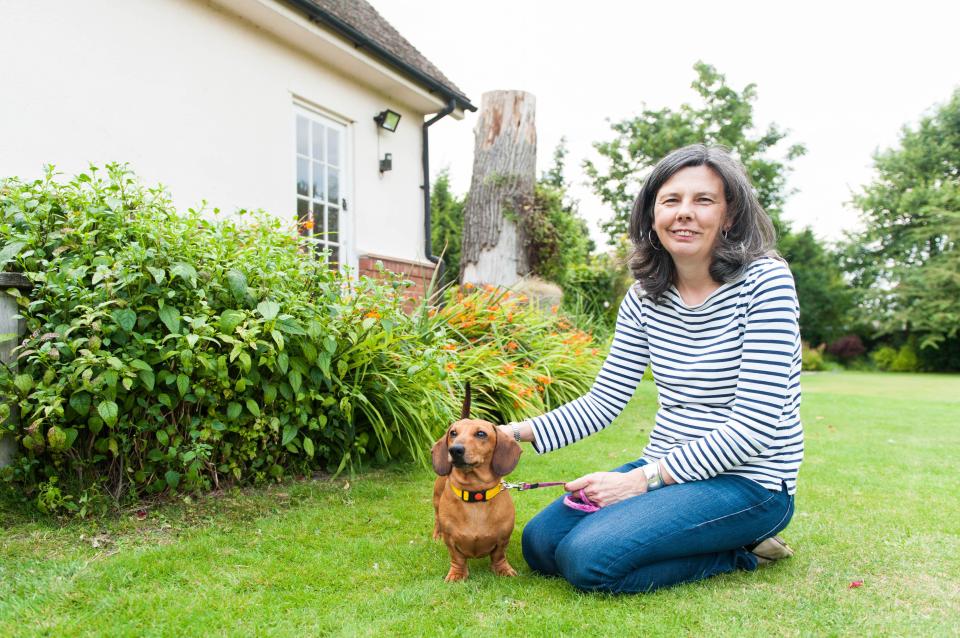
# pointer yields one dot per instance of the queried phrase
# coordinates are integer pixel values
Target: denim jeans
(677, 534)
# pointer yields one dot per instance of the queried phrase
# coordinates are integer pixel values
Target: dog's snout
(456, 451)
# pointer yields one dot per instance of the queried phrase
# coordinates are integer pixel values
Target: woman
(715, 313)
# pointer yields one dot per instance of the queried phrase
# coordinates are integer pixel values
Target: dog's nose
(456, 451)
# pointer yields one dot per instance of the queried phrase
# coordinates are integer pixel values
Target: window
(320, 182)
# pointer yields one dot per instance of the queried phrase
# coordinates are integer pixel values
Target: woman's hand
(607, 488)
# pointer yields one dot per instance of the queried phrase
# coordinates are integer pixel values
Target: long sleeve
(613, 388)
(768, 374)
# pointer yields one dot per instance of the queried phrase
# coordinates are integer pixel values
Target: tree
(724, 117)
(826, 300)
(501, 190)
(906, 262)
(447, 225)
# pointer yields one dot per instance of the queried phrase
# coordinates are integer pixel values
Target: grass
(877, 503)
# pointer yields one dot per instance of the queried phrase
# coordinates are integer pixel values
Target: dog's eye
(453, 433)
(481, 434)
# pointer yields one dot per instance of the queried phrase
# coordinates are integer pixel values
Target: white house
(245, 103)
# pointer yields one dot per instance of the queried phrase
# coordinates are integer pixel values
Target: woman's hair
(750, 235)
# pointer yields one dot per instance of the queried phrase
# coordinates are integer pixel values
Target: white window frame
(313, 114)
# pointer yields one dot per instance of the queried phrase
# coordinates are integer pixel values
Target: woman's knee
(579, 562)
(538, 544)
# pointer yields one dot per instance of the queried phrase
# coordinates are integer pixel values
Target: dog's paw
(456, 574)
(504, 569)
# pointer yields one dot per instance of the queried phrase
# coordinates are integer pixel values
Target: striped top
(728, 376)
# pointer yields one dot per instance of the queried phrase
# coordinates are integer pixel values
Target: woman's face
(689, 212)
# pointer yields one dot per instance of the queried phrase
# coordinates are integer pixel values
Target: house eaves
(359, 22)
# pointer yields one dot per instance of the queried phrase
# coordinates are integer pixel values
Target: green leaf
(323, 360)
(146, 376)
(140, 364)
(80, 402)
(309, 351)
(253, 407)
(125, 318)
(230, 319)
(24, 383)
(308, 446)
(173, 478)
(290, 326)
(95, 424)
(183, 384)
(163, 438)
(296, 380)
(110, 378)
(233, 410)
(283, 360)
(269, 309)
(108, 411)
(170, 317)
(330, 344)
(10, 251)
(185, 271)
(237, 283)
(192, 339)
(278, 338)
(159, 274)
(289, 434)
(269, 393)
(72, 434)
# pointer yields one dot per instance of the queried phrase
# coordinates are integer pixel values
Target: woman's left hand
(607, 488)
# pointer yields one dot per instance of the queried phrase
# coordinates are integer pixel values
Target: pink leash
(580, 502)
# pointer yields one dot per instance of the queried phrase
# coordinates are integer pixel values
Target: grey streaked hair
(751, 234)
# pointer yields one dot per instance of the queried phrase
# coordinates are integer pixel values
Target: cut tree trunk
(501, 190)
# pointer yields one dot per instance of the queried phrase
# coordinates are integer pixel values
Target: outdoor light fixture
(387, 120)
(386, 164)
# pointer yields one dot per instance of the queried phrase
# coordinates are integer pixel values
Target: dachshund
(474, 513)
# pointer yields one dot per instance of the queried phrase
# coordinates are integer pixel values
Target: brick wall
(419, 274)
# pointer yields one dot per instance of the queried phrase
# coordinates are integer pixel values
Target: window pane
(318, 189)
(333, 185)
(302, 131)
(333, 147)
(318, 221)
(303, 216)
(317, 149)
(333, 224)
(303, 177)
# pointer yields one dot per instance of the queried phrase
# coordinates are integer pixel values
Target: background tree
(906, 264)
(723, 116)
(447, 227)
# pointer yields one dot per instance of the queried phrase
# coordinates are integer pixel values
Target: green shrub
(175, 352)
(812, 358)
(892, 359)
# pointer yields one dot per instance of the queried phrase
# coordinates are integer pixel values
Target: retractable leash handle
(580, 503)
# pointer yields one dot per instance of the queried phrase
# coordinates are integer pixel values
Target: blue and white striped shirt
(728, 376)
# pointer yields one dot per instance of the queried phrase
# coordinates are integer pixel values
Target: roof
(359, 22)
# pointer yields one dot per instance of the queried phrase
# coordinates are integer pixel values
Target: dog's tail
(465, 412)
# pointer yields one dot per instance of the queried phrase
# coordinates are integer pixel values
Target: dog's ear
(440, 455)
(465, 412)
(506, 455)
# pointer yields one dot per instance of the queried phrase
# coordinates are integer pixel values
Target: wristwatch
(516, 431)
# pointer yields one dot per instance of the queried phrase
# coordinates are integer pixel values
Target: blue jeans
(677, 534)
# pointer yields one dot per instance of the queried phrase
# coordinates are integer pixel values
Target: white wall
(200, 100)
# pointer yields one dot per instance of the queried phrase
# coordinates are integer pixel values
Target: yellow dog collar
(476, 497)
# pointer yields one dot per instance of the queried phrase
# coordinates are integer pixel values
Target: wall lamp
(387, 120)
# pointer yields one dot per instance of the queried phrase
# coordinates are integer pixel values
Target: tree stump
(501, 190)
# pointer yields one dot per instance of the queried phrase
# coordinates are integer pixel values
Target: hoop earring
(724, 233)
(650, 239)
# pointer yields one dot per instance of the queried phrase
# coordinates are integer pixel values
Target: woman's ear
(440, 456)
(506, 455)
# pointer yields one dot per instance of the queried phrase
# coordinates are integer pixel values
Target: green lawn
(878, 502)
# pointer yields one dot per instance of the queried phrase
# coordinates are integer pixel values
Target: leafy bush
(170, 351)
(846, 348)
(812, 358)
(892, 359)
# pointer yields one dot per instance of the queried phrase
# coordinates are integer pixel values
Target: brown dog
(474, 514)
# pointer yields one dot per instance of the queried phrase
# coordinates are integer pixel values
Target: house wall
(202, 101)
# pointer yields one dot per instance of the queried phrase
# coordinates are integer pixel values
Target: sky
(842, 77)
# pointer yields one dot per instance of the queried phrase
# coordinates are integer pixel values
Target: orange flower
(449, 346)
(513, 345)
(308, 224)
(468, 286)
(490, 288)
(373, 314)
(494, 308)
(544, 379)
(554, 308)
(450, 366)
(507, 368)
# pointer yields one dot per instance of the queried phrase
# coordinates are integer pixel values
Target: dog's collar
(476, 497)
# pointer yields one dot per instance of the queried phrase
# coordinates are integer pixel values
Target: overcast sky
(842, 77)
